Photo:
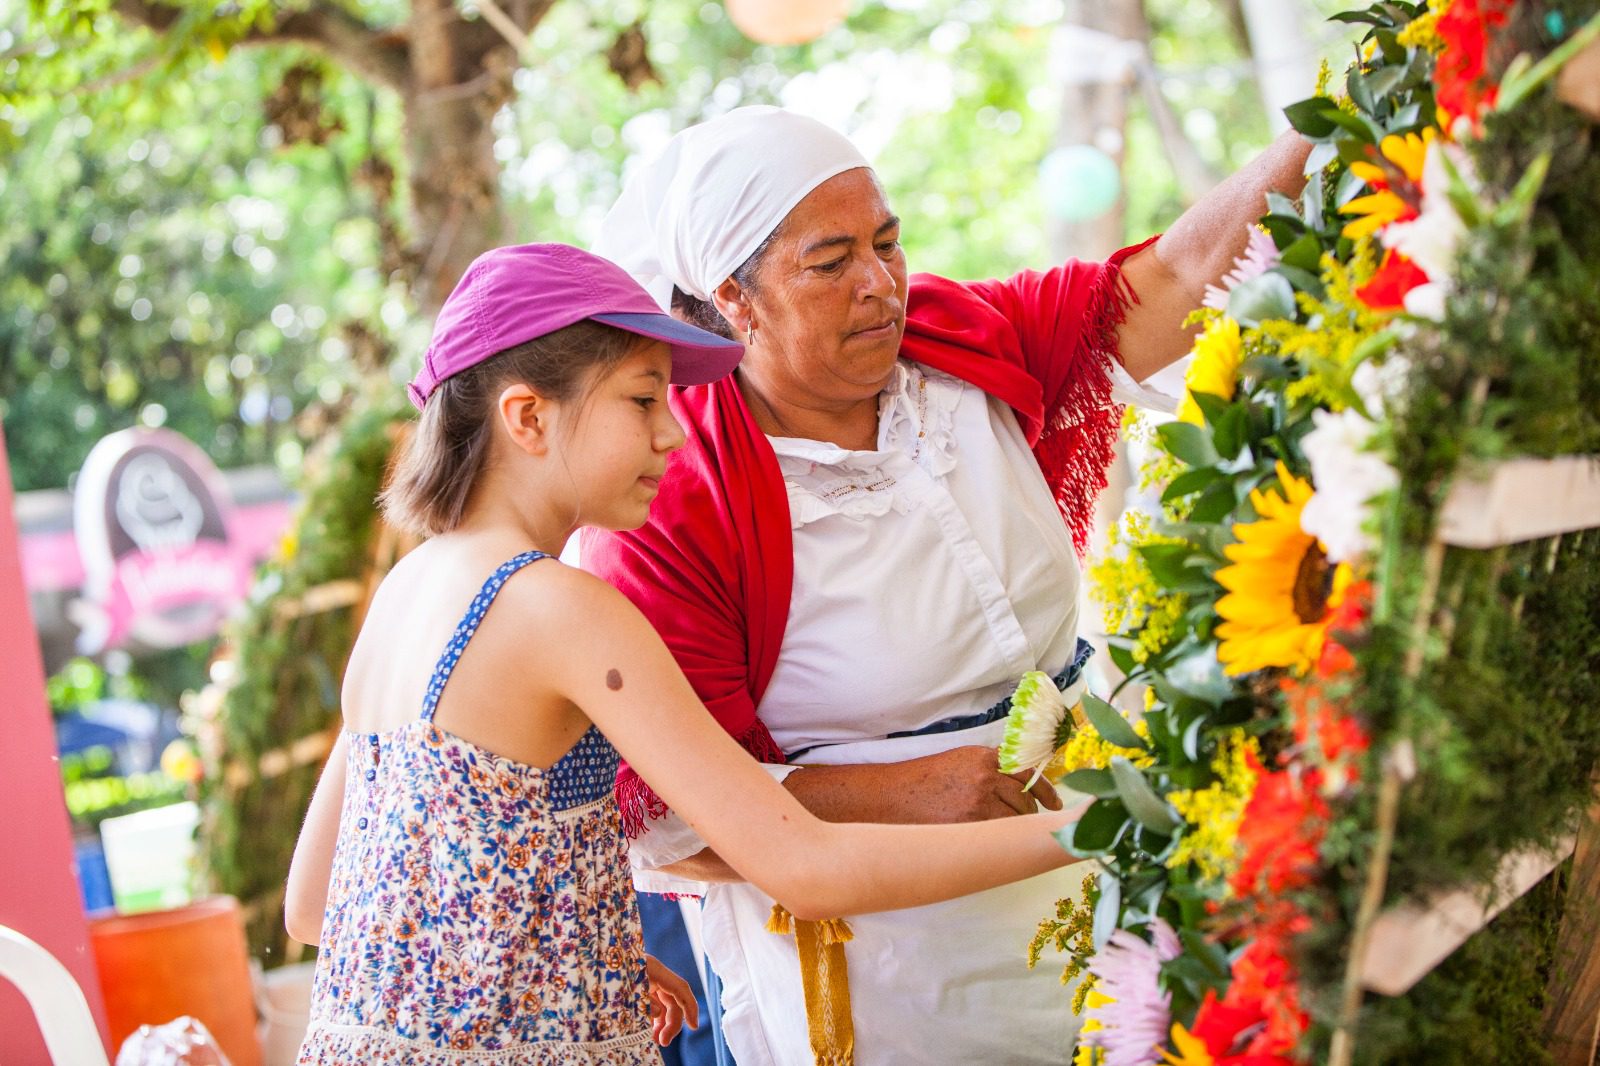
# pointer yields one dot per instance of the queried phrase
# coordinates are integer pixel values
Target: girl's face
(616, 448)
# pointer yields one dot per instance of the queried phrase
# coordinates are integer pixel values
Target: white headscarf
(690, 216)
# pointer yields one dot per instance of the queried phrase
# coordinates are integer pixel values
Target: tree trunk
(1094, 111)
(1284, 54)
(460, 78)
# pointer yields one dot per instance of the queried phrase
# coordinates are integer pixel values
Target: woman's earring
(750, 334)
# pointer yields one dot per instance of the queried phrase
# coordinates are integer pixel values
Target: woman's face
(829, 301)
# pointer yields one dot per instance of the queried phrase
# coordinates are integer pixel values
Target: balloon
(786, 21)
(1079, 182)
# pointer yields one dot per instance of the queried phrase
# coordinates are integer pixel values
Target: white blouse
(931, 573)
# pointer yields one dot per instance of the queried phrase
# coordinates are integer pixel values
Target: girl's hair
(704, 313)
(435, 477)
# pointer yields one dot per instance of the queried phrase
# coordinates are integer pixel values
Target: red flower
(1280, 833)
(1264, 982)
(1460, 85)
(1347, 619)
(1387, 289)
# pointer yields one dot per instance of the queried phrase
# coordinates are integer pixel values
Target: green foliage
(289, 667)
(1489, 674)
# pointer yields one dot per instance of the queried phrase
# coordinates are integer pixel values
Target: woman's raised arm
(1170, 276)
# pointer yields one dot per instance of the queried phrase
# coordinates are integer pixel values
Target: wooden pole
(1572, 998)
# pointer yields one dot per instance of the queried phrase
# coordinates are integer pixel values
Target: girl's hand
(671, 1002)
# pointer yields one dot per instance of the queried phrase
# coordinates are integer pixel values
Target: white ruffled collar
(916, 420)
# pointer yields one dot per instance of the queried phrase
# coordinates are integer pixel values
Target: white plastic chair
(70, 1034)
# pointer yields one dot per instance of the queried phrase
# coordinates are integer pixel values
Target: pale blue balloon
(1079, 182)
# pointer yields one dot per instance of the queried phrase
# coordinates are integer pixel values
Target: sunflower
(1276, 609)
(1215, 370)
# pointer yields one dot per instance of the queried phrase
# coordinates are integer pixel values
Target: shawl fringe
(1081, 422)
(638, 803)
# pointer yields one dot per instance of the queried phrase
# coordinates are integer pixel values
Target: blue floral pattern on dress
(480, 909)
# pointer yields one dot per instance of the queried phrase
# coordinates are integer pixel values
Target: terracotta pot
(192, 960)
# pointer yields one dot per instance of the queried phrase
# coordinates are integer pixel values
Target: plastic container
(94, 880)
(284, 997)
(150, 856)
(191, 960)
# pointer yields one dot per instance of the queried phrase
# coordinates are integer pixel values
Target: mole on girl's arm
(613, 679)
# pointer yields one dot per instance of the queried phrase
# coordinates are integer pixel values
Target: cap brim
(698, 357)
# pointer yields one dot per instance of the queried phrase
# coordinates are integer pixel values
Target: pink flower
(1136, 1016)
(1260, 256)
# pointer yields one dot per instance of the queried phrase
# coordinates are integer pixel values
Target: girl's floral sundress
(481, 909)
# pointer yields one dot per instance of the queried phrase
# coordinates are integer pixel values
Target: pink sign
(152, 518)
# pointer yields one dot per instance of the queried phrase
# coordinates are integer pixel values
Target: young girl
(480, 906)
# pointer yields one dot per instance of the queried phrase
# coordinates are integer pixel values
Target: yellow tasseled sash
(826, 980)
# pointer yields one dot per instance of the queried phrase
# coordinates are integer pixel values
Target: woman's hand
(671, 1002)
(960, 785)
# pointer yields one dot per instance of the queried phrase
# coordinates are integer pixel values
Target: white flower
(1380, 385)
(1347, 477)
(1432, 238)
(1033, 728)
(1427, 301)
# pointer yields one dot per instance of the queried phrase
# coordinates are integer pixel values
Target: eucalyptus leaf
(1360, 91)
(1199, 674)
(1108, 909)
(1405, 118)
(1209, 954)
(1091, 782)
(1214, 504)
(1311, 201)
(1188, 442)
(1321, 155)
(1310, 117)
(1190, 481)
(1097, 831)
(1382, 82)
(1359, 125)
(1261, 298)
(1191, 738)
(1230, 432)
(1305, 253)
(1121, 654)
(1279, 204)
(1147, 808)
(1109, 723)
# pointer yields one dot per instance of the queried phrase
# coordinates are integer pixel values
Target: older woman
(869, 537)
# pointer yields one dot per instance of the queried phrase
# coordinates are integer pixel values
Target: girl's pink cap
(509, 296)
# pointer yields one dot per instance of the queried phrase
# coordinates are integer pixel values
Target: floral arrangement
(1339, 710)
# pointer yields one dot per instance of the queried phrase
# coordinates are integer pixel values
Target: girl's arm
(616, 669)
(306, 896)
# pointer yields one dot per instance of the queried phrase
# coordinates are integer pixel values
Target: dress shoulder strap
(468, 626)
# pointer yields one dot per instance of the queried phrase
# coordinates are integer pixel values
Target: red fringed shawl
(714, 567)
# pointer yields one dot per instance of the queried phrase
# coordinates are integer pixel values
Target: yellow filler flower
(1275, 612)
(1215, 370)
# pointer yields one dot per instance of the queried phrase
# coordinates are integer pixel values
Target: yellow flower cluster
(1087, 750)
(1423, 31)
(1214, 812)
(1335, 327)
(1160, 466)
(1128, 594)
(1070, 931)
